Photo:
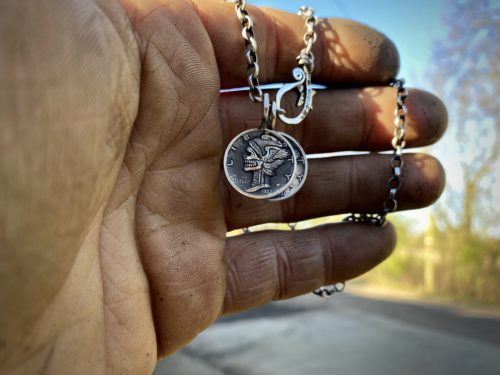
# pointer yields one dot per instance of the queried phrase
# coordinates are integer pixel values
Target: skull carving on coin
(263, 157)
(260, 163)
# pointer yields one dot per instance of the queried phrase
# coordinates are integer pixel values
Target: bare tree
(467, 77)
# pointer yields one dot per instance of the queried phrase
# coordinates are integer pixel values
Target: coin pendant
(260, 163)
(300, 175)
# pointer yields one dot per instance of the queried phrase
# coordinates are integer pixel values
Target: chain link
(396, 163)
(304, 59)
(252, 59)
(394, 183)
(327, 291)
(398, 144)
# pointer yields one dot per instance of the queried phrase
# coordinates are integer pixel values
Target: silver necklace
(393, 184)
(263, 163)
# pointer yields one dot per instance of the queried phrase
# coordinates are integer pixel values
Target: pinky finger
(275, 265)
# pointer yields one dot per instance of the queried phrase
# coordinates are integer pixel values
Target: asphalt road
(345, 335)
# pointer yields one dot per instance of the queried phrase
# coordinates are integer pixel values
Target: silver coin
(300, 175)
(259, 163)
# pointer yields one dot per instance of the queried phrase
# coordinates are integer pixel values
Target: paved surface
(343, 335)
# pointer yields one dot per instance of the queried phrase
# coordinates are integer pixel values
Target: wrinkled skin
(114, 211)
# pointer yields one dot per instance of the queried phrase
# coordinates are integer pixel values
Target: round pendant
(260, 163)
(300, 175)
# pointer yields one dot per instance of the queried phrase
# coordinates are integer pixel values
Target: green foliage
(461, 266)
(404, 268)
(477, 268)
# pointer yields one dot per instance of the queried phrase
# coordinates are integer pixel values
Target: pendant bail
(269, 113)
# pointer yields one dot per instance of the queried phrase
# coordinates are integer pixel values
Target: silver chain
(327, 291)
(394, 183)
(305, 57)
(250, 49)
(398, 144)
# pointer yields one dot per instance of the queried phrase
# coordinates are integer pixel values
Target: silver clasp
(303, 85)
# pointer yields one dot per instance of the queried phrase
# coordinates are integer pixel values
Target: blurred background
(434, 306)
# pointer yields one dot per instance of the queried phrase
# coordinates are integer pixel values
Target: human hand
(114, 209)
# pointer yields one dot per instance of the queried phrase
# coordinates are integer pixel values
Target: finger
(347, 119)
(345, 51)
(342, 185)
(281, 264)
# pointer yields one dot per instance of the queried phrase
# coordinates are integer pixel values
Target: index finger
(346, 52)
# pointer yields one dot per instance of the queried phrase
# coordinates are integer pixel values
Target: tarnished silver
(267, 179)
(248, 35)
(300, 175)
(260, 163)
(327, 291)
(268, 113)
(394, 183)
(306, 94)
(306, 57)
(301, 74)
(398, 143)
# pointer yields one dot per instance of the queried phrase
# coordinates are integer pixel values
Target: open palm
(115, 252)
